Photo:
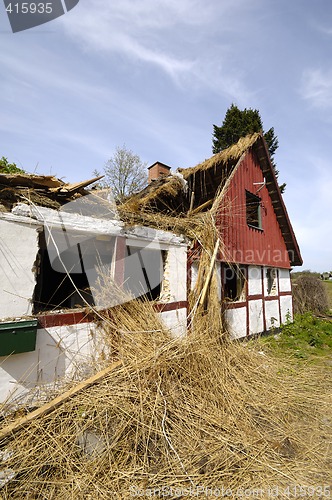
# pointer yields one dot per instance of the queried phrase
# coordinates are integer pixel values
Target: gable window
(253, 210)
(234, 283)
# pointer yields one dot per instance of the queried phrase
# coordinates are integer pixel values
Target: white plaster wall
(176, 321)
(286, 303)
(236, 322)
(67, 350)
(256, 319)
(175, 275)
(284, 280)
(18, 252)
(272, 313)
(61, 352)
(255, 280)
(18, 374)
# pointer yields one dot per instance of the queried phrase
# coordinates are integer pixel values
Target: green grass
(328, 286)
(307, 338)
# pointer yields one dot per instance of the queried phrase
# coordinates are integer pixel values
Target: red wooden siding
(244, 244)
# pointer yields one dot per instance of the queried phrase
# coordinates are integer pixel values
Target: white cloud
(182, 39)
(316, 87)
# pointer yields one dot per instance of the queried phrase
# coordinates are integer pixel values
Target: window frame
(240, 274)
(254, 208)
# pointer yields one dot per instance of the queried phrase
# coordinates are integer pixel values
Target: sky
(155, 75)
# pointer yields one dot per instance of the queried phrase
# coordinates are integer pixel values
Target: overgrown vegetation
(9, 168)
(328, 289)
(308, 337)
(309, 294)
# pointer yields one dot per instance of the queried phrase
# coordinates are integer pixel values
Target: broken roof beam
(72, 188)
(52, 405)
(30, 180)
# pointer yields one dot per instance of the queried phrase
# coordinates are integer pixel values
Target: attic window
(253, 210)
(234, 283)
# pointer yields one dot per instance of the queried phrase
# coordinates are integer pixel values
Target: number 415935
(29, 8)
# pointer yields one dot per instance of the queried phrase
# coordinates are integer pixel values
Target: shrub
(309, 295)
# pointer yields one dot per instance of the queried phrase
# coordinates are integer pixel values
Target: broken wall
(18, 253)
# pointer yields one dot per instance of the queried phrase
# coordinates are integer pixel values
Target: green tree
(239, 123)
(9, 168)
(125, 173)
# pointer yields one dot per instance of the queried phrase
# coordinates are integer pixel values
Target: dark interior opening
(253, 210)
(233, 282)
(143, 272)
(56, 290)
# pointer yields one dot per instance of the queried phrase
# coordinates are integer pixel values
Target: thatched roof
(204, 183)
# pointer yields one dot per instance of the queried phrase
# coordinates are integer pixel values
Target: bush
(9, 168)
(309, 295)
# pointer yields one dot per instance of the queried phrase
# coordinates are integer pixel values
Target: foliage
(309, 294)
(239, 123)
(9, 168)
(125, 173)
(328, 288)
(306, 338)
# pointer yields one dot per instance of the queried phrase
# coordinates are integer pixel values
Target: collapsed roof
(42, 190)
(193, 190)
(185, 193)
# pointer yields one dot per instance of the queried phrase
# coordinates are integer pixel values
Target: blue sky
(156, 75)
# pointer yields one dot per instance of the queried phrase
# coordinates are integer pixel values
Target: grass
(308, 338)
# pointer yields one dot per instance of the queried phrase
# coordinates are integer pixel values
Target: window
(253, 210)
(67, 263)
(234, 283)
(143, 272)
(271, 281)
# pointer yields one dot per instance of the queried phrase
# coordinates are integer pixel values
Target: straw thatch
(168, 195)
(231, 154)
(191, 413)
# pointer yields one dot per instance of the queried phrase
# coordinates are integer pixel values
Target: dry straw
(181, 413)
(197, 412)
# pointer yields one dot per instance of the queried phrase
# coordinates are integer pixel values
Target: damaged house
(65, 255)
(68, 252)
(257, 246)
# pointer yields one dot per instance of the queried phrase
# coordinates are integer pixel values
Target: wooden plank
(208, 278)
(59, 400)
(71, 188)
(201, 207)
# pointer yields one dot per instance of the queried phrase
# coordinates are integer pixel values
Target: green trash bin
(18, 336)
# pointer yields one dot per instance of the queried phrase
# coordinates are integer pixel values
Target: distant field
(328, 285)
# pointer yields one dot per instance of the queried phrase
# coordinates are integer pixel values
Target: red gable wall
(244, 244)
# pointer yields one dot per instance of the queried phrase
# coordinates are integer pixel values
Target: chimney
(158, 170)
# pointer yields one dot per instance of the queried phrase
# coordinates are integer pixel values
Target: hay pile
(193, 413)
